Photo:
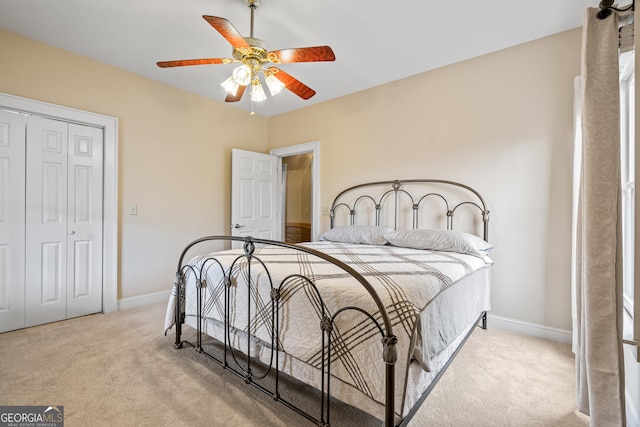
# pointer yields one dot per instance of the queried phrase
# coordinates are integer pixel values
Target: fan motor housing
(258, 50)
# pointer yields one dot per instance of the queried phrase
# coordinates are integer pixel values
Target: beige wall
(174, 152)
(501, 123)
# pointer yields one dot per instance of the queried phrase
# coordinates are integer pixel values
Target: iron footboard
(230, 361)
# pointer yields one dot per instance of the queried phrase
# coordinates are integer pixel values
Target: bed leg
(178, 341)
(389, 401)
(484, 320)
(178, 315)
(390, 356)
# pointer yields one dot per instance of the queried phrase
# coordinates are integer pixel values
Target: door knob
(237, 226)
(70, 233)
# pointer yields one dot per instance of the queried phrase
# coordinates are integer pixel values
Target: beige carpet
(119, 369)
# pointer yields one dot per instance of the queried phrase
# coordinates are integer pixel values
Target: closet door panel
(52, 271)
(84, 283)
(12, 214)
(46, 220)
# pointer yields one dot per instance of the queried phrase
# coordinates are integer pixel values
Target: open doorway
(300, 190)
(296, 203)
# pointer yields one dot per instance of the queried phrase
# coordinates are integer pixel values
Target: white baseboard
(530, 329)
(142, 300)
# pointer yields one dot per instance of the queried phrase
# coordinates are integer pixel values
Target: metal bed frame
(391, 196)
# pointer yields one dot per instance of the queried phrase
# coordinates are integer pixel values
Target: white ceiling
(375, 41)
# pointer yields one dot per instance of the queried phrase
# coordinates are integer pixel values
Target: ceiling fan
(254, 58)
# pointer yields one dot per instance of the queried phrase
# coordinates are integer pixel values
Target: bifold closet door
(63, 220)
(84, 220)
(12, 226)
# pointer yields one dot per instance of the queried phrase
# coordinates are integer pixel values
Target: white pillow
(440, 240)
(360, 234)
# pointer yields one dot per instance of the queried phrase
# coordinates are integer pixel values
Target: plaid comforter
(405, 279)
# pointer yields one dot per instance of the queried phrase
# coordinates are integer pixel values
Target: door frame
(109, 125)
(292, 150)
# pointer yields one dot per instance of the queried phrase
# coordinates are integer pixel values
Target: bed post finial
(249, 247)
(389, 352)
(485, 219)
(332, 215)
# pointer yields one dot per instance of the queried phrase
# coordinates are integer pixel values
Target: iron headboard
(394, 201)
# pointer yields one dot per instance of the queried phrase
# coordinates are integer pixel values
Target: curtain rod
(607, 8)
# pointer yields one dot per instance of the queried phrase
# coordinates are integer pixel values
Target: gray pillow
(360, 234)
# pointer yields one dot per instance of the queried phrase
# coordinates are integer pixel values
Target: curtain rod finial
(604, 13)
(607, 8)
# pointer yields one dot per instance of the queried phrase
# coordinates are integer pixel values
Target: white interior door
(109, 127)
(84, 221)
(46, 219)
(12, 227)
(63, 220)
(254, 194)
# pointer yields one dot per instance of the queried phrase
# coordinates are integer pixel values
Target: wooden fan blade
(227, 30)
(293, 84)
(305, 54)
(237, 96)
(202, 61)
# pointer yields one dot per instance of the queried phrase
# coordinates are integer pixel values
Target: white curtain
(597, 278)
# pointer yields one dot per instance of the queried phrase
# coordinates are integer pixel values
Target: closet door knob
(70, 233)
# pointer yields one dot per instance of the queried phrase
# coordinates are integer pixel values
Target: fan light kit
(254, 57)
